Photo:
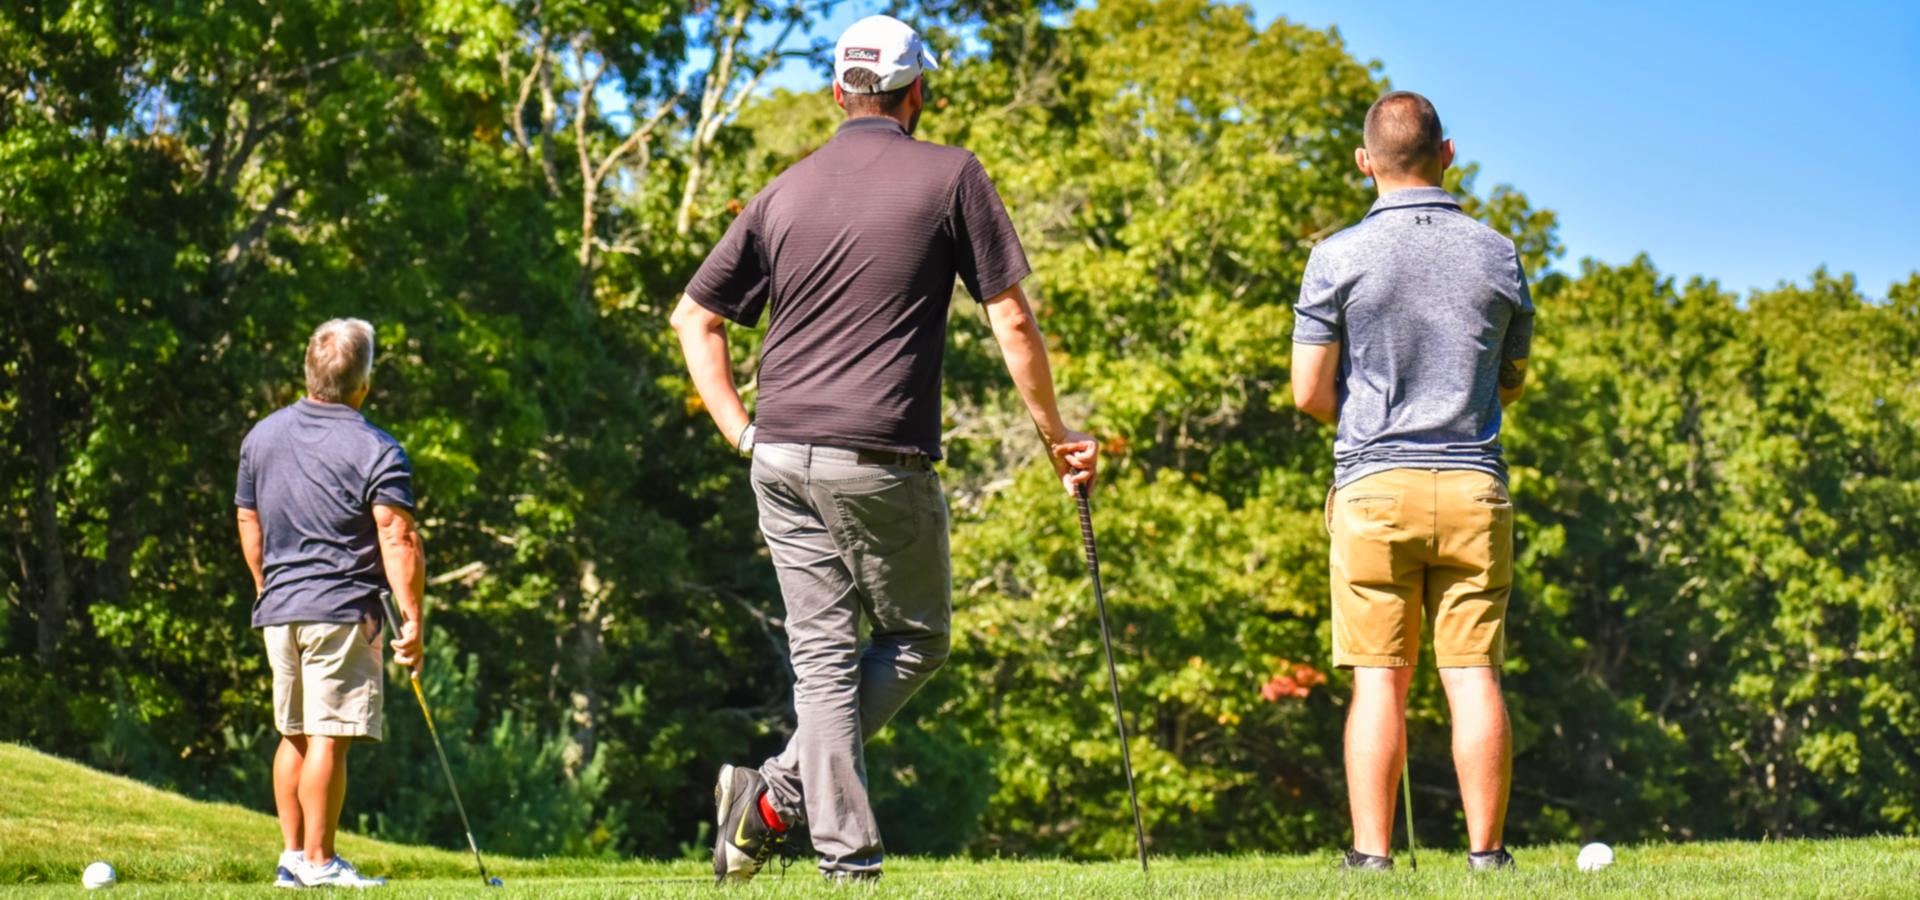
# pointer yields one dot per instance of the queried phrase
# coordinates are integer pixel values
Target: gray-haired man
(856, 249)
(325, 507)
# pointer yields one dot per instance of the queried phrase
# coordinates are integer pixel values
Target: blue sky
(1746, 142)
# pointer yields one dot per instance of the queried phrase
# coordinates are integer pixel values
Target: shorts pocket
(1373, 509)
(1367, 527)
(1494, 497)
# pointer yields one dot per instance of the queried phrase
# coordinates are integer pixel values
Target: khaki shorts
(327, 678)
(1421, 545)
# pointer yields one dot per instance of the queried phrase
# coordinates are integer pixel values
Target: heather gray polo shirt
(1425, 302)
(313, 472)
(855, 250)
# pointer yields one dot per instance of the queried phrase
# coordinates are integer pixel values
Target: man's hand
(1075, 459)
(410, 647)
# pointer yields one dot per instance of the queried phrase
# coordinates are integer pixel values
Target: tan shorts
(327, 678)
(1414, 545)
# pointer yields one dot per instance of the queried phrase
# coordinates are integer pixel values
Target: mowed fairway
(56, 816)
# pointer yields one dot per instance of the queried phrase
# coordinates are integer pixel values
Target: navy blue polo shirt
(314, 471)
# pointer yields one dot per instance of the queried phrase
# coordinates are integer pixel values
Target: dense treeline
(1719, 496)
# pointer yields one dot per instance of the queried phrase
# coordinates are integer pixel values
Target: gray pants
(850, 532)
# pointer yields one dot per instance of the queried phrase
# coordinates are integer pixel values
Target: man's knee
(1470, 682)
(1382, 681)
(826, 670)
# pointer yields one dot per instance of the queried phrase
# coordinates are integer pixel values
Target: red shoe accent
(770, 817)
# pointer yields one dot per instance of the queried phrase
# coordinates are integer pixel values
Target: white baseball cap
(885, 45)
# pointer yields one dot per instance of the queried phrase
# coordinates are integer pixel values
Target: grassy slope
(56, 816)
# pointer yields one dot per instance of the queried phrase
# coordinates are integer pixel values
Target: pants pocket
(881, 514)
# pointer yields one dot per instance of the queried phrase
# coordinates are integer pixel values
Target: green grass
(56, 816)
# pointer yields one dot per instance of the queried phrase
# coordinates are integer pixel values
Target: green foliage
(1714, 628)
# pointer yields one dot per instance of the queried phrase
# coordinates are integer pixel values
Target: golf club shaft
(1406, 784)
(393, 622)
(1113, 674)
(447, 770)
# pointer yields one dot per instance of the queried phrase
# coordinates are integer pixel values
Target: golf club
(1113, 675)
(1406, 784)
(393, 623)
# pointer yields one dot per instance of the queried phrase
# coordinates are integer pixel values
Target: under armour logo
(1423, 220)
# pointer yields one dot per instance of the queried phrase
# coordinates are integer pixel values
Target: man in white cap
(854, 250)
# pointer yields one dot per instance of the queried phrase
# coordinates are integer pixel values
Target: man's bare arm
(1513, 380)
(1316, 371)
(405, 561)
(1074, 455)
(251, 547)
(703, 341)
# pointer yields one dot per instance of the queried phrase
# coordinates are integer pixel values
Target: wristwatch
(745, 441)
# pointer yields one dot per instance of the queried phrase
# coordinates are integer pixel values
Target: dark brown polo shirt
(855, 249)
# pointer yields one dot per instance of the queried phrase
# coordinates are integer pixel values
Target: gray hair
(339, 359)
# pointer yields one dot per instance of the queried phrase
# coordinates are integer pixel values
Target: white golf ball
(1594, 857)
(98, 875)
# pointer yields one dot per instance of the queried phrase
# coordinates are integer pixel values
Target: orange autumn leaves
(1291, 680)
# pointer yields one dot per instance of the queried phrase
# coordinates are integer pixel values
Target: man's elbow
(1013, 322)
(690, 318)
(1316, 403)
(1510, 396)
(682, 318)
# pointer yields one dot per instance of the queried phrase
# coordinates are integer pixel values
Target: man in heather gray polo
(1412, 331)
(325, 511)
(854, 251)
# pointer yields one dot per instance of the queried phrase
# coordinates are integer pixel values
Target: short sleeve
(733, 282)
(1519, 341)
(1316, 316)
(987, 253)
(391, 481)
(243, 494)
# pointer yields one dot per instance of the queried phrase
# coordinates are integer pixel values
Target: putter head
(495, 882)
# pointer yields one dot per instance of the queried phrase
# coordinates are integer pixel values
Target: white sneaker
(336, 873)
(283, 876)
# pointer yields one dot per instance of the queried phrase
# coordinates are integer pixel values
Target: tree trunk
(56, 582)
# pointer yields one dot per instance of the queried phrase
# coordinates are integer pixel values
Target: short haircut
(885, 103)
(1403, 133)
(339, 359)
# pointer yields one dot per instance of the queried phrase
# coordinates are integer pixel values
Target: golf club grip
(1113, 672)
(1086, 533)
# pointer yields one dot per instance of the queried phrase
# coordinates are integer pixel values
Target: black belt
(901, 460)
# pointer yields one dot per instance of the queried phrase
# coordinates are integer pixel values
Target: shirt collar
(1419, 196)
(329, 410)
(871, 125)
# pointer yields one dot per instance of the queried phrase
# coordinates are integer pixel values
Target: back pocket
(880, 514)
